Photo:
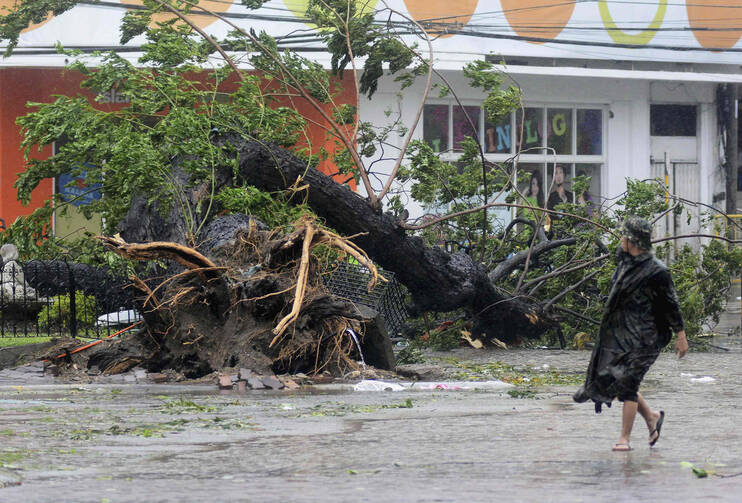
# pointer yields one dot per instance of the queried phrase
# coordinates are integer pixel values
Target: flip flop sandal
(621, 448)
(657, 429)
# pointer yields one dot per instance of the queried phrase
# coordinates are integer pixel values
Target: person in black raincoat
(640, 313)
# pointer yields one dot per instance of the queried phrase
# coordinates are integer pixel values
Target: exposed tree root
(256, 301)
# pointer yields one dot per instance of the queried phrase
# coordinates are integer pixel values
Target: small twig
(721, 475)
(576, 314)
(571, 288)
(712, 236)
(718, 347)
(508, 205)
(565, 271)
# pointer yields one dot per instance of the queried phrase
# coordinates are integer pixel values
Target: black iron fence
(62, 297)
(59, 297)
(350, 281)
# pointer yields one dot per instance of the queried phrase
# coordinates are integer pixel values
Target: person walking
(641, 311)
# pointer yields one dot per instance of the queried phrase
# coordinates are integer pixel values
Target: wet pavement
(186, 443)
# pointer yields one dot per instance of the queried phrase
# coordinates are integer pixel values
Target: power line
(587, 43)
(473, 30)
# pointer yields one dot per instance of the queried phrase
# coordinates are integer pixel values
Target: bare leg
(627, 422)
(649, 415)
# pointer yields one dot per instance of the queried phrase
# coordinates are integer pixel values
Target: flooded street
(182, 443)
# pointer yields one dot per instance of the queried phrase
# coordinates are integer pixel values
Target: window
(498, 138)
(463, 119)
(559, 125)
(672, 120)
(563, 138)
(548, 194)
(530, 128)
(589, 131)
(435, 127)
(569, 131)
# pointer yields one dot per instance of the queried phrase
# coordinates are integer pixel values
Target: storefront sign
(75, 191)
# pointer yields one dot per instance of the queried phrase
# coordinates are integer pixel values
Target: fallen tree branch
(576, 314)
(185, 256)
(571, 288)
(508, 266)
(505, 205)
(559, 272)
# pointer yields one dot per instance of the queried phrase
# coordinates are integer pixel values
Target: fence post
(73, 304)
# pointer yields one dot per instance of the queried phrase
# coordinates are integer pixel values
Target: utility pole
(728, 107)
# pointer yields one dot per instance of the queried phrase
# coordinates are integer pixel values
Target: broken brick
(225, 382)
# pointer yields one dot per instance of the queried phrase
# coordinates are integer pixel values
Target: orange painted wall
(21, 85)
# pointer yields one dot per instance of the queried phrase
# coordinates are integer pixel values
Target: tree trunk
(437, 281)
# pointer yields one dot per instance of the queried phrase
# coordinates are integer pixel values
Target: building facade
(610, 89)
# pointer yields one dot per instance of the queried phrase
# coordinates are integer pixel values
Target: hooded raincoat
(641, 310)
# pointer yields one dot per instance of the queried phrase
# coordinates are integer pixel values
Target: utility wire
(406, 28)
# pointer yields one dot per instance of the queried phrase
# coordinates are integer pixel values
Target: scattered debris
(698, 379)
(422, 372)
(371, 385)
(475, 343)
(225, 382)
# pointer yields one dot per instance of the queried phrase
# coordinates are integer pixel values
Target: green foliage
(350, 32)
(172, 117)
(176, 110)
(6, 342)
(273, 210)
(27, 12)
(410, 355)
(499, 102)
(451, 188)
(703, 281)
(57, 315)
(468, 183)
(702, 278)
(29, 234)
(522, 393)
(439, 337)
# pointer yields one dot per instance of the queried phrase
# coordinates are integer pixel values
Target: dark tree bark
(438, 281)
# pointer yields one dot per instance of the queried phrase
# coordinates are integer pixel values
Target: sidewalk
(168, 443)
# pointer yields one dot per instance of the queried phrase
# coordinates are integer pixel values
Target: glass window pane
(533, 130)
(672, 120)
(435, 127)
(589, 132)
(530, 177)
(559, 183)
(559, 126)
(462, 126)
(498, 138)
(591, 197)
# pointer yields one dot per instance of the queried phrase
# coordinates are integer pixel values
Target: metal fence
(61, 298)
(64, 298)
(350, 281)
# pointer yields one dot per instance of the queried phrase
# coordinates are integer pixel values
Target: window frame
(545, 158)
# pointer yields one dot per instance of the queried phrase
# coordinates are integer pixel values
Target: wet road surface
(176, 443)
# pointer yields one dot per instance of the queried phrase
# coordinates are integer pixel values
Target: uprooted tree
(177, 161)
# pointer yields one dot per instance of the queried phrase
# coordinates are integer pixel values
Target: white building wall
(626, 126)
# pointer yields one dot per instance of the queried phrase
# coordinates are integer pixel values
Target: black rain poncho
(641, 310)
